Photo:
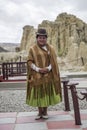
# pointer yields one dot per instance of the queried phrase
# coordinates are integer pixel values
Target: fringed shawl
(42, 58)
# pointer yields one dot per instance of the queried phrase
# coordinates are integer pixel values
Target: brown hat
(41, 32)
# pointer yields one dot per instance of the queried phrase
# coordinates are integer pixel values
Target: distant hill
(9, 46)
(3, 50)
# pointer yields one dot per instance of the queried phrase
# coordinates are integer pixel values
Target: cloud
(15, 14)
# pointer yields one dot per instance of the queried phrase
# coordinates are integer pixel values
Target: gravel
(15, 101)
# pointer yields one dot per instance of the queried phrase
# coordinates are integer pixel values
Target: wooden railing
(14, 69)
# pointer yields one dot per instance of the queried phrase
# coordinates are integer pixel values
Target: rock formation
(68, 34)
(28, 37)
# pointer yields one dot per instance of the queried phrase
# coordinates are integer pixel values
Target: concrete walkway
(22, 84)
(81, 77)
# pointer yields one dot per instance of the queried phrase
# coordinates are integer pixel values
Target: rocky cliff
(68, 34)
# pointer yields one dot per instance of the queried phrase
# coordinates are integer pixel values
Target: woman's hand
(43, 70)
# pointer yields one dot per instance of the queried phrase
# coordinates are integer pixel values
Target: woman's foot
(39, 116)
(39, 113)
(45, 115)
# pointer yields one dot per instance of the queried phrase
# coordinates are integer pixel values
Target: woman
(43, 81)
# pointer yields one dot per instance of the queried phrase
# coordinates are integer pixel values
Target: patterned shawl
(42, 58)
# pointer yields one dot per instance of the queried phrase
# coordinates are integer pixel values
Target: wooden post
(75, 103)
(66, 97)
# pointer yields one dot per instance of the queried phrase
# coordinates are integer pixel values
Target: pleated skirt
(43, 96)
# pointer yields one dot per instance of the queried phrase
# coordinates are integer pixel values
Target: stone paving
(15, 101)
(58, 120)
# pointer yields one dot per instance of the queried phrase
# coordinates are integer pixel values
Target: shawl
(42, 58)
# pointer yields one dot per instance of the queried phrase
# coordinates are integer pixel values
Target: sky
(15, 14)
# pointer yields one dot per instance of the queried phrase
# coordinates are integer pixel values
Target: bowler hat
(41, 32)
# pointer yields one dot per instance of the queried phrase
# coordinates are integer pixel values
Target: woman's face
(41, 40)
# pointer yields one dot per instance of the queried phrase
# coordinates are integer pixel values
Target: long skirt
(43, 96)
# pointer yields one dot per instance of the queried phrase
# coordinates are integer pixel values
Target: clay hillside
(68, 35)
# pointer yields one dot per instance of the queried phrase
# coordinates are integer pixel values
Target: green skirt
(45, 96)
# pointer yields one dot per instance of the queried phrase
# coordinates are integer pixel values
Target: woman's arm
(41, 70)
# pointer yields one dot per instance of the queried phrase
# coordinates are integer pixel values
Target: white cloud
(15, 14)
